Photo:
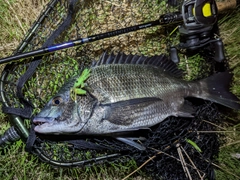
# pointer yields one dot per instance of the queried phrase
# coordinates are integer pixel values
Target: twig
(151, 158)
(232, 143)
(184, 165)
(214, 124)
(238, 177)
(181, 160)
(193, 164)
(216, 131)
(166, 154)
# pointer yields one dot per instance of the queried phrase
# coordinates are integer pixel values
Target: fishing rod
(163, 20)
(198, 17)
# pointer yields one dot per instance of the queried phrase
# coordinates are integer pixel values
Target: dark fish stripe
(152, 61)
(130, 59)
(135, 59)
(122, 59)
(131, 102)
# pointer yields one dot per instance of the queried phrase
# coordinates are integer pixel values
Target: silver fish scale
(119, 82)
(126, 118)
(85, 107)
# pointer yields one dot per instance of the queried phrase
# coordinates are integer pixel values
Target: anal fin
(186, 110)
(131, 142)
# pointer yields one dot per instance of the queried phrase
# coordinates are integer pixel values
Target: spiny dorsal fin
(159, 61)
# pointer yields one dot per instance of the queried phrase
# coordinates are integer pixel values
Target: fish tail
(216, 89)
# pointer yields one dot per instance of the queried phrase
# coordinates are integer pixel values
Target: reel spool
(197, 30)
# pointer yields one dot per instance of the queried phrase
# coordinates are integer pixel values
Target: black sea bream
(126, 93)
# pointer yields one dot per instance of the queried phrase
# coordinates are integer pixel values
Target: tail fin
(218, 90)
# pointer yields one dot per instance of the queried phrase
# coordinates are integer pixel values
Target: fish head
(61, 115)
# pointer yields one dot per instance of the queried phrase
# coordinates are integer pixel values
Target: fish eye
(56, 101)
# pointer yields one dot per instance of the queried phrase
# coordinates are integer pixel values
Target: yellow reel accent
(207, 10)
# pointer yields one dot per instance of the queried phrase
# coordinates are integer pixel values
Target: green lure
(194, 145)
(78, 86)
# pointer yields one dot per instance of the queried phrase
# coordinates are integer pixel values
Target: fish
(126, 93)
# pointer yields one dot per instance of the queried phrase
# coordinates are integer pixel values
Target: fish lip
(42, 123)
(42, 120)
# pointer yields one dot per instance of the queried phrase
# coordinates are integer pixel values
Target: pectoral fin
(125, 112)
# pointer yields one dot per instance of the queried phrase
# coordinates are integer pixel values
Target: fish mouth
(51, 125)
(46, 125)
(43, 121)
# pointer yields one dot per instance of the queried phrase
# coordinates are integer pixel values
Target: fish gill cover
(173, 148)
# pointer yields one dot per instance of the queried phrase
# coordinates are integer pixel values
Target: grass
(18, 164)
(17, 16)
(230, 35)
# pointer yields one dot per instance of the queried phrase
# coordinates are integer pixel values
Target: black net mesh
(169, 141)
(168, 144)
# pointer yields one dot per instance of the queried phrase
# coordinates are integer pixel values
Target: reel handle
(219, 50)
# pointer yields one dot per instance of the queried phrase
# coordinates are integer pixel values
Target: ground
(16, 17)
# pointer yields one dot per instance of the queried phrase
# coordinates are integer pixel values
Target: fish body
(126, 93)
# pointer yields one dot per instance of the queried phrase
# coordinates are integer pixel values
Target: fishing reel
(197, 31)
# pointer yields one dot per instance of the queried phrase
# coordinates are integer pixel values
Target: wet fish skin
(126, 93)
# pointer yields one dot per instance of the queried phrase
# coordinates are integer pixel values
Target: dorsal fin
(159, 61)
